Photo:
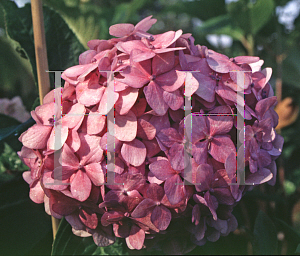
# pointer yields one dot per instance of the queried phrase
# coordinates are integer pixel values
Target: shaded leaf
(265, 236)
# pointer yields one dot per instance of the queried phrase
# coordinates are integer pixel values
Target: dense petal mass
(147, 141)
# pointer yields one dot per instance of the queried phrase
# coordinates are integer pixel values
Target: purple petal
(174, 189)
(161, 217)
(162, 169)
(143, 208)
(221, 147)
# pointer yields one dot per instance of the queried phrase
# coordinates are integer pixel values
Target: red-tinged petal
(145, 130)
(110, 217)
(200, 150)
(57, 137)
(244, 59)
(139, 107)
(154, 97)
(171, 80)
(155, 192)
(125, 127)
(126, 100)
(174, 189)
(54, 180)
(95, 173)
(163, 63)
(81, 186)
(161, 217)
(219, 122)
(152, 147)
(145, 24)
(221, 147)
(88, 218)
(75, 71)
(36, 136)
(143, 208)
(162, 169)
(120, 30)
(73, 140)
(136, 237)
(204, 177)
(134, 77)
(128, 46)
(95, 123)
(220, 63)
(134, 152)
(62, 204)
(90, 150)
(68, 157)
(138, 55)
(36, 193)
(173, 99)
(166, 39)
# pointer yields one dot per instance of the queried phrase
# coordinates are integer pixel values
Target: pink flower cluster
(167, 180)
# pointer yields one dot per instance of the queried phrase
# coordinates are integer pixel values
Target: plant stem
(41, 62)
(40, 48)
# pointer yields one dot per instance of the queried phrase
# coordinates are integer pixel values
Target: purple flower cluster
(167, 180)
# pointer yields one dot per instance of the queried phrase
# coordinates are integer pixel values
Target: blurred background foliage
(269, 29)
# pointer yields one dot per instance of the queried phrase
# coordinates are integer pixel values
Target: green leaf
(249, 16)
(291, 68)
(298, 249)
(66, 243)
(264, 235)
(23, 224)
(63, 47)
(220, 25)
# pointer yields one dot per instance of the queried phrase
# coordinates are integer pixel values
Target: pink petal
(89, 92)
(36, 136)
(81, 186)
(106, 105)
(126, 100)
(154, 97)
(36, 193)
(220, 63)
(155, 192)
(163, 63)
(95, 122)
(55, 142)
(136, 237)
(134, 152)
(161, 217)
(178, 156)
(145, 24)
(206, 86)
(120, 30)
(169, 136)
(221, 147)
(125, 126)
(95, 173)
(74, 116)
